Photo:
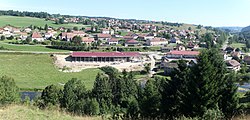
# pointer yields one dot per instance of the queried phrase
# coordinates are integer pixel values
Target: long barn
(104, 56)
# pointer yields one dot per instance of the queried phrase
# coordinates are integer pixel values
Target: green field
(36, 71)
(33, 48)
(238, 45)
(27, 21)
(22, 112)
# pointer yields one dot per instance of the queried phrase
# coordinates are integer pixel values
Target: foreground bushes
(9, 92)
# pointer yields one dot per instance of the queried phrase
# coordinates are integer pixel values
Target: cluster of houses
(234, 59)
(23, 33)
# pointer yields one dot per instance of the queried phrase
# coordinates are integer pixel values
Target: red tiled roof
(36, 35)
(103, 35)
(113, 40)
(184, 52)
(233, 63)
(105, 54)
(132, 41)
(158, 39)
(87, 39)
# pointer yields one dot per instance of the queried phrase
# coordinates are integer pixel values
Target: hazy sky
(206, 12)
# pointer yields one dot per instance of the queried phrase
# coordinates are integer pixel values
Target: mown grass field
(36, 71)
(22, 112)
(238, 45)
(27, 21)
(33, 48)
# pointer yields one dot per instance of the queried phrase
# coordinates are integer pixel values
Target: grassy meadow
(22, 112)
(36, 71)
(27, 21)
(32, 48)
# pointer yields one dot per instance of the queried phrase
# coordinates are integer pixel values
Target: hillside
(246, 32)
(27, 21)
(18, 112)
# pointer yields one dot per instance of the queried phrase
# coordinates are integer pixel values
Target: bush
(9, 92)
(213, 114)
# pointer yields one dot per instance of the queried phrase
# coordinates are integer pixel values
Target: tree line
(205, 90)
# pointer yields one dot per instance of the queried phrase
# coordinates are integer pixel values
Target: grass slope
(27, 21)
(36, 71)
(34, 48)
(18, 112)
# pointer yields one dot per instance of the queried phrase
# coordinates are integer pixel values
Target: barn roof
(105, 54)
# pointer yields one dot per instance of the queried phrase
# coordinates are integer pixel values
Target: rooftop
(184, 52)
(105, 54)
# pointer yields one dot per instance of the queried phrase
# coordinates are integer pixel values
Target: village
(171, 44)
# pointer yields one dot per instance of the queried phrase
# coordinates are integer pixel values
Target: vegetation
(27, 21)
(23, 112)
(31, 48)
(8, 91)
(203, 90)
(36, 71)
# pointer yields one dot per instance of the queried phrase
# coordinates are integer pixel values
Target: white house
(157, 42)
(37, 36)
(113, 41)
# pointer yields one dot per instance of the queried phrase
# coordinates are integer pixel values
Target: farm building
(104, 56)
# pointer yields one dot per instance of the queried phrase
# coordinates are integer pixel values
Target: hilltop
(27, 21)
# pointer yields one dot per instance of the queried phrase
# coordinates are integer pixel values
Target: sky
(216, 13)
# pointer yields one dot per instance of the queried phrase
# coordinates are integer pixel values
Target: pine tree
(150, 103)
(174, 91)
(207, 80)
(103, 93)
(229, 100)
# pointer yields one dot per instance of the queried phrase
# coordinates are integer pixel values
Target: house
(27, 30)
(186, 55)
(131, 42)
(15, 30)
(175, 40)
(247, 60)
(157, 42)
(146, 36)
(113, 41)
(103, 37)
(105, 31)
(104, 56)
(233, 65)
(229, 49)
(236, 54)
(23, 35)
(191, 45)
(68, 36)
(128, 37)
(88, 40)
(79, 33)
(48, 35)
(37, 36)
(180, 47)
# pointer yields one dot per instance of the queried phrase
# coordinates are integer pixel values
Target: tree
(46, 27)
(2, 37)
(77, 40)
(10, 38)
(75, 28)
(205, 84)
(51, 95)
(174, 91)
(102, 92)
(150, 103)
(229, 101)
(28, 40)
(74, 96)
(147, 68)
(9, 92)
